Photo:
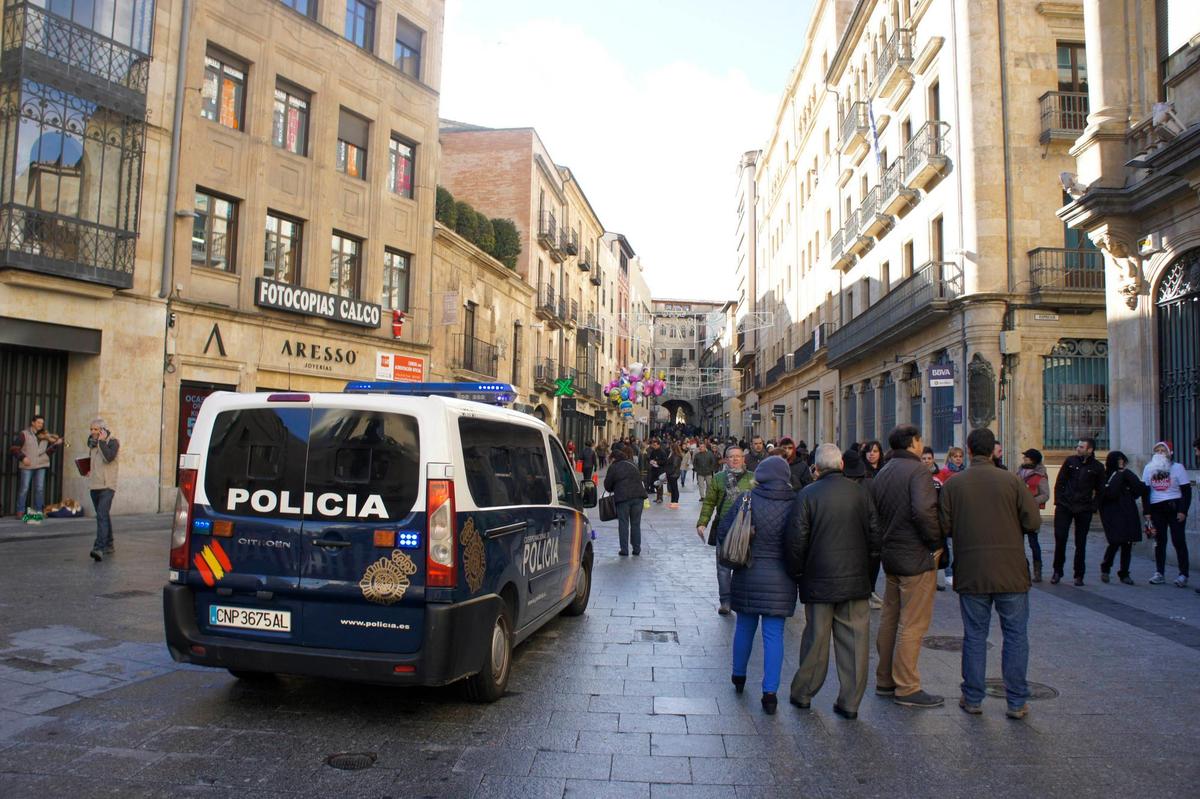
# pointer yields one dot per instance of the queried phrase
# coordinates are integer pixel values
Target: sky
(650, 103)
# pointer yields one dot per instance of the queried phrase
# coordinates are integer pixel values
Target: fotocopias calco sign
(296, 299)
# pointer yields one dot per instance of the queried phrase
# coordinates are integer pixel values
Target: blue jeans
(102, 501)
(38, 478)
(1013, 610)
(772, 637)
(629, 523)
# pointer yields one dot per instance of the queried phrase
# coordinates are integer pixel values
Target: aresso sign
(286, 297)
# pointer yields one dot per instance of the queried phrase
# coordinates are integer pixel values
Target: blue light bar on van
(491, 393)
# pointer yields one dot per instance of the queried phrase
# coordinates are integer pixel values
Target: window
(1075, 393)
(408, 48)
(885, 278)
(849, 417)
(352, 144)
(915, 401)
(214, 232)
(934, 106)
(942, 400)
(360, 453)
(937, 240)
(306, 7)
(1072, 69)
(1177, 318)
(289, 129)
(505, 463)
(395, 280)
(868, 411)
(281, 256)
(345, 265)
(360, 23)
(566, 490)
(223, 96)
(887, 404)
(906, 260)
(401, 158)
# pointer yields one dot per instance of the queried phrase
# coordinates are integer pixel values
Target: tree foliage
(497, 237)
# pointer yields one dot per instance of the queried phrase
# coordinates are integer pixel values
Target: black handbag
(607, 506)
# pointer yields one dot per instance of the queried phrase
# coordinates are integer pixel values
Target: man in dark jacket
(588, 456)
(655, 459)
(801, 475)
(906, 499)
(1076, 496)
(756, 453)
(704, 462)
(986, 512)
(834, 533)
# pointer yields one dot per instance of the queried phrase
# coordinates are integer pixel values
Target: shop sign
(317, 356)
(397, 367)
(941, 376)
(296, 299)
(778, 410)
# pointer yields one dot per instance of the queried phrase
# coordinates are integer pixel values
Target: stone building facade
(1136, 194)
(907, 232)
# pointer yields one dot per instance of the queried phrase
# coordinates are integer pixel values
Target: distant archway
(679, 412)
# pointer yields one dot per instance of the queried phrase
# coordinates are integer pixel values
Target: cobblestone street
(632, 699)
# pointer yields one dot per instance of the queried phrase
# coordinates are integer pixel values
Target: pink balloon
(658, 388)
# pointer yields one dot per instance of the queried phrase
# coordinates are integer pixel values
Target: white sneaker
(874, 602)
(1157, 579)
(1181, 581)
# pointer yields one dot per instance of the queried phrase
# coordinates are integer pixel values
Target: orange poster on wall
(402, 368)
(229, 117)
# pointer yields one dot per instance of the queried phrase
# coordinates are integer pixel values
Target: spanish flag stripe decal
(205, 573)
(211, 559)
(221, 556)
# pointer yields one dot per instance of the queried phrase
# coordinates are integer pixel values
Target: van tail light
(181, 527)
(440, 518)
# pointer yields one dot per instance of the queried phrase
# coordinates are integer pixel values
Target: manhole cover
(657, 636)
(129, 594)
(1037, 690)
(351, 761)
(945, 643)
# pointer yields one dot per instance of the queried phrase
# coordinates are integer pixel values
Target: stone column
(1101, 151)
(926, 425)
(901, 399)
(873, 385)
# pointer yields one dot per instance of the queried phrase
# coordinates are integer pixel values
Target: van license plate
(279, 621)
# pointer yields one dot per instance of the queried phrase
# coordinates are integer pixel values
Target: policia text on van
(395, 533)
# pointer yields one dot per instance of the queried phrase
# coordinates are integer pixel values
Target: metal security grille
(1075, 393)
(1178, 307)
(887, 413)
(850, 418)
(943, 412)
(35, 381)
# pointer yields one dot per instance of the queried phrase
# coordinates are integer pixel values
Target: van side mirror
(589, 494)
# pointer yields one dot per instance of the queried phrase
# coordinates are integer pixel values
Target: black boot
(1037, 571)
(739, 682)
(769, 703)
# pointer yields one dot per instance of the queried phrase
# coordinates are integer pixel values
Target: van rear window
(506, 463)
(324, 463)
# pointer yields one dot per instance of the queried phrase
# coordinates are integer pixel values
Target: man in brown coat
(987, 512)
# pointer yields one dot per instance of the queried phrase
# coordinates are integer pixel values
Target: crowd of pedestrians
(826, 524)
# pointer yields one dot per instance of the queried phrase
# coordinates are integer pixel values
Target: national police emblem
(386, 580)
(474, 555)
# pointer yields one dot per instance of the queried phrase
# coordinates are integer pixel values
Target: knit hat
(785, 441)
(1033, 455)
(773, 468)
(1164, 443)
(852, 465)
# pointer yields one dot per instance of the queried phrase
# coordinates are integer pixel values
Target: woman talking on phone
(102, 480)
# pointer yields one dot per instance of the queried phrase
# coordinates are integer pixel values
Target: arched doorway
(679, 412)
(1177, 308)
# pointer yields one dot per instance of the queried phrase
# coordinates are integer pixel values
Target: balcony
(585, 260)
(892, 64)
(547, 304)
(66, 246)
(50, 49)
(925, 155)
(855, 128)
(1067, 277)
(568, 241)
(838, 257)
(572, 315)
(597, 278)
(548, 230)
(475, 356)
(776, 372)
(911, 305)
(894, 195)
(809, 349)
(545, 372)
(872, 221)
(1064, 116)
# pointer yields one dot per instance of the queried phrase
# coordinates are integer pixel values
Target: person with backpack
(763, 591)
(1033, 474)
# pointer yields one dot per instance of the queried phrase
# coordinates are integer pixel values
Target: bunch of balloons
(634, 381)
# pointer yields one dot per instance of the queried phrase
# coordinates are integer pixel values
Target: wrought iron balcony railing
(477, 355)
(925, 154)
(569, 242)
(1059, 269)
(76, 58)
(894, 195)
(775, 372)
(1064, 115)
(896, 53)
(855, 124)
(547, 303)
(67, 246)
(572, 315)
(585, 260)
(548, 230)
(545, 372)
(911, 304)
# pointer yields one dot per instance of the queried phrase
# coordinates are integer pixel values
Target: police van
(400, 533)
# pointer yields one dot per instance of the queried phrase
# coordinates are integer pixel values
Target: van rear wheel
(492, 680)
(583, 591)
